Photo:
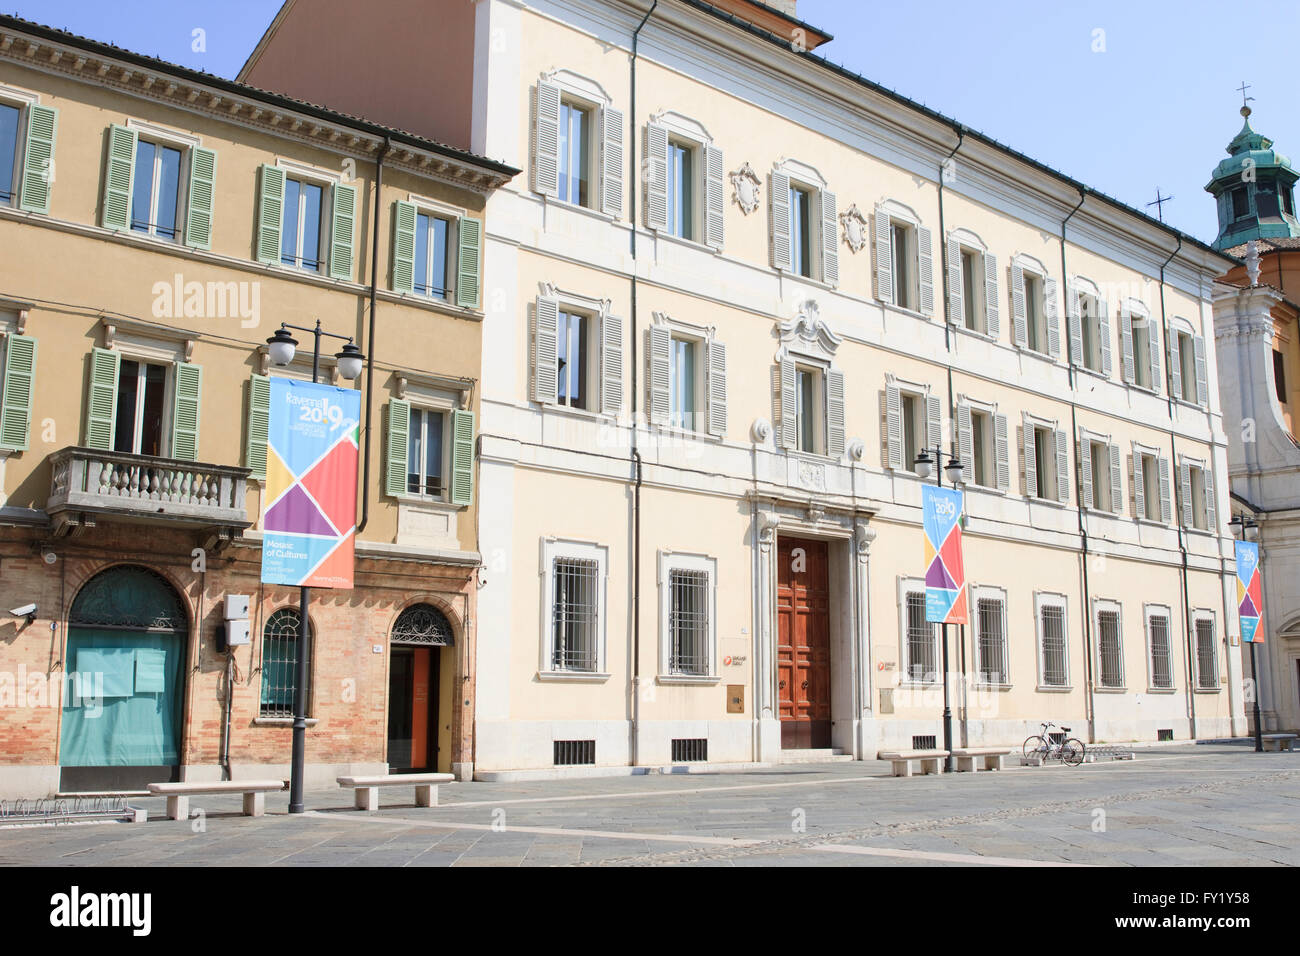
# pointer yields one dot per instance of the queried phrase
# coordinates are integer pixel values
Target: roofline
(257, 51)
(959, 128)
(286, 103)
(801, 24)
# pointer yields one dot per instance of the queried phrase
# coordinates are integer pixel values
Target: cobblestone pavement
(1220, 805)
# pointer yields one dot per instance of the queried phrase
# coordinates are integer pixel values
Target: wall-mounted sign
(734, 660)
(945, 575)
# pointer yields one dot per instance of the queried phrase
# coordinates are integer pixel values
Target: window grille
(1108, 649)
(921, 664)
(1166, 733)
(992, 641)
(925, 741)
(1053, 621)
(688, 622)
(280, 663)
(422, 624)
(1162, 671)
(569, 753)
(1207, 668)
(574, 614)
(688, 749)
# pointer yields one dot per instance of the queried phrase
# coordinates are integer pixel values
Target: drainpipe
(370, 339)
(1090, 703)
(634, 181)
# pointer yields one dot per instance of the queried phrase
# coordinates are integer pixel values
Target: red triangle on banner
(958, 614)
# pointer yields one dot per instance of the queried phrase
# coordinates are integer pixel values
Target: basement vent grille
(924, 742)
(570, 753)
(1165, 734)
(686, 749)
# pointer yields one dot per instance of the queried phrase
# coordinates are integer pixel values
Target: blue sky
(1154, 109)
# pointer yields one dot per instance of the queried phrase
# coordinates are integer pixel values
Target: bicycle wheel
(1072, 752)
(1035, 746)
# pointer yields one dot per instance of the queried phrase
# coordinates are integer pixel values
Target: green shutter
(198, 217)
(341, 229)
(185, 418)
(270, 214)
(399, 426)
(38, 159)
(119, 178)
(470, 232)
(462, 457)
(403, 247)
(16, 410)
(104, 366)
(259, 421)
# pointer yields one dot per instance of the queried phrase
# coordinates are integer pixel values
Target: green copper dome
(1254, 188)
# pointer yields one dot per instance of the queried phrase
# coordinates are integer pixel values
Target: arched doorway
(124, 680)
(417, 671)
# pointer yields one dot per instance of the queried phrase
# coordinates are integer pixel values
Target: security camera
(27, 610)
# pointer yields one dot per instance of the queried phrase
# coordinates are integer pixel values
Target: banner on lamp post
(945, 574)
(310, 509)
(1250, 592)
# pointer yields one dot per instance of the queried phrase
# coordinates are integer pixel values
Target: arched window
(280, 663)
(423, 624)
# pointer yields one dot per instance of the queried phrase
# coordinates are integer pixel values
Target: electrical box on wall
(237, 609)
(236, 633)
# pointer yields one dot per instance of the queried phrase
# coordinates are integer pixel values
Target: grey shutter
(894, 427)
(1062, 466)
(1052, 318)
(956, 312)
(834, 413)
(1211, 510)
(965, 445)
(611, 162)
(1126, 345)
(830, 239)
(1202, 384)
(779, 225)
(1139, 488)
(717, 387)
(714, 201)
(1166, 512)
(884, 258)
(1103, 333)
(992, 317)
(1084, 457)
(659, 344)
(1031, 460)
(1116, 481)
(1153, 336)
(1002, 451)
(934, 424)
(656, 176)
(1175, 367)
(925, 261)
(1019, 323)
(1185, 490)
(1074, 319)
(611, 365)
(546, 140)
(546, 352)
(788, 435)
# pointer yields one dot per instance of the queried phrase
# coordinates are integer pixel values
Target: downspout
(1089, 700)
(370, 339)
(634, 180)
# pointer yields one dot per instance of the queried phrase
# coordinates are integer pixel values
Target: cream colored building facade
(728, 307)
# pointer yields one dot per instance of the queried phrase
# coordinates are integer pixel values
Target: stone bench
(930, 761)
(992, 757)
(1278, 742)
(254, 791)
(367, 788)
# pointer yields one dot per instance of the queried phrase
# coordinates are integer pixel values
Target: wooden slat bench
(254, 791)
(1278, 742)
(930, 761)
(992, 757)
(367, 788)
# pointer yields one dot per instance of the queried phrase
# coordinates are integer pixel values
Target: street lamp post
(953, 469)
(1245, 524)
(282, 347)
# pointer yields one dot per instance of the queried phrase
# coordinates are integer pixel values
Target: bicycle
(1068, 750)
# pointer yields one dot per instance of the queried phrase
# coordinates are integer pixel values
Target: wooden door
(803, 653)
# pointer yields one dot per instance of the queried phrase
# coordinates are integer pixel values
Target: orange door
(803, 654)
(420, 708)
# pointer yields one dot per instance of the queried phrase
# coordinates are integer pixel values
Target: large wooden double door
(803, 651)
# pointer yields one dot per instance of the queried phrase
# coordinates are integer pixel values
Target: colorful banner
(1250, 593)
(310, 509)
(945, 575)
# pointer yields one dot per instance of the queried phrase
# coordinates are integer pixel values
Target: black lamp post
(282, 347)
(924, 465)
(1246, 524)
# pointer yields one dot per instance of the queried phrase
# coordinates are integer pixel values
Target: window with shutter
(469, 256)
(894, 428)
(992, 317)
(779, 220)
(830, 239)
(1002, 452)
(119, 178)
(611, 365)
(611, 162)
(270, 213)
(717, 386)
(834, 413)
(341, 230)
(102, 399)
(462, 457)
(884, 239)
(396, 457)
(545, 351)
(658, 372)
(199, 198)
(38, 157)
(546, 139)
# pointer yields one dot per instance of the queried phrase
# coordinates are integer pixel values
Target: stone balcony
(88, 485)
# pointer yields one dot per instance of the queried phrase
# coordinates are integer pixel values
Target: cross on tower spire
(1160, 204)
(1245, 108)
